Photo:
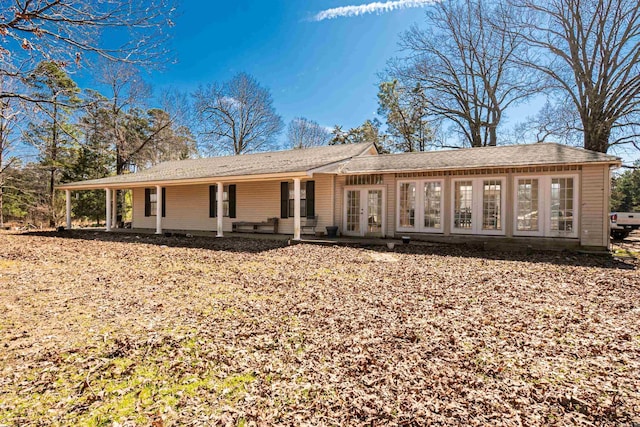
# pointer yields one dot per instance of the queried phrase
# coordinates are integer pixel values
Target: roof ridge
(260, 153)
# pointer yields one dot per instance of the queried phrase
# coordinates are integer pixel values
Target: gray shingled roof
(472, 158)
(348, 159)
(289, 161)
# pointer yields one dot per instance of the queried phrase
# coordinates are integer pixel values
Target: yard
(113, 329)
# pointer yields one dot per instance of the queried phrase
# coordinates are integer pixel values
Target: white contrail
(374, 7)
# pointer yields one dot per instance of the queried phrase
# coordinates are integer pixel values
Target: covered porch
(218, 207)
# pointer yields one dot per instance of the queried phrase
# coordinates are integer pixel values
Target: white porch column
(296, 209)
(109, 206)
(67, 194)
(114, 209)
(219, 210)
(158, 209)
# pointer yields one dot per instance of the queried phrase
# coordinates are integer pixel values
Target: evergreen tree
(52, 132)
(92, 159)
(625, 191)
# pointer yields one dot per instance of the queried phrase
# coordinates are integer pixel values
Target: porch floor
(305, 238)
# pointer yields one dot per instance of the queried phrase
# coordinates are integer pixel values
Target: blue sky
(323, 70)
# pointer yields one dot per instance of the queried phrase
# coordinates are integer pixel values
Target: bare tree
(127, 92)
(406, 111)
(8, 120)
(71, 31)
(303, 133)
(464, 61)
(237, 116)
(555, 121)
(140, 136)
(589, 50)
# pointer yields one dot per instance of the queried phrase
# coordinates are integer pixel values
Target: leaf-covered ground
(100, 329)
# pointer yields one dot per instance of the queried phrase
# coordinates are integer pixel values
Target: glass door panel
(353, 212)
(374, 212)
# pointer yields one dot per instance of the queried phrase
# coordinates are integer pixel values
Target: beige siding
(445, 209)
(187, 207)
(390, 185)
(139, 220)
(338, 214)
(324, 201)
(510, 208)
(595, 206)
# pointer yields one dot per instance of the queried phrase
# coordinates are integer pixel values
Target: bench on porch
(310, 223)
(268, 226)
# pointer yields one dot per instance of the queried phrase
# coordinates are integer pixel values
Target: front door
(364, 212)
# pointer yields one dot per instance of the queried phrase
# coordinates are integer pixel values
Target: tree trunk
(596, 137)
(476, 137)
(493, 137)
(54, 159)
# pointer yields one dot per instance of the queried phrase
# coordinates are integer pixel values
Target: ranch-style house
(543, 194)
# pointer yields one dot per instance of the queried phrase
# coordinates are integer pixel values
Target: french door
(364, 212)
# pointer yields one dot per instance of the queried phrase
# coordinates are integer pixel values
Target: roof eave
(178, 182)
(616, 163)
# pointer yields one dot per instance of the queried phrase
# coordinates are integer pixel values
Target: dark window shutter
(311, 198)
(232, 201)
(284, 200)
(213, 208)
(147, 202)
(164, 202)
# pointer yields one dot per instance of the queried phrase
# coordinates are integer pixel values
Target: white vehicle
(623, 223)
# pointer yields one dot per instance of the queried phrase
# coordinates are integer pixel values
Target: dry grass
(101, 329)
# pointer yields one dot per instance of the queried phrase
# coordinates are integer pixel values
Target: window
(307, 199)
(151, 201)
(491, 206)
(527, 205)
(407, 204)
(228, 201)
(364, 180)
(432, 204)
(562, 205)
(546, 206)
(463, 205)
(419, 206)
(303, 201)
(478, 206)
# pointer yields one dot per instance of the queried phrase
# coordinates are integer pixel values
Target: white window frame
(544, 206)
(541, 206)
(419, 208)
(477, 194)
(153, 204)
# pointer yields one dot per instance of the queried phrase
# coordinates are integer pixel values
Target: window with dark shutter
(151, 202)
(228, 201)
